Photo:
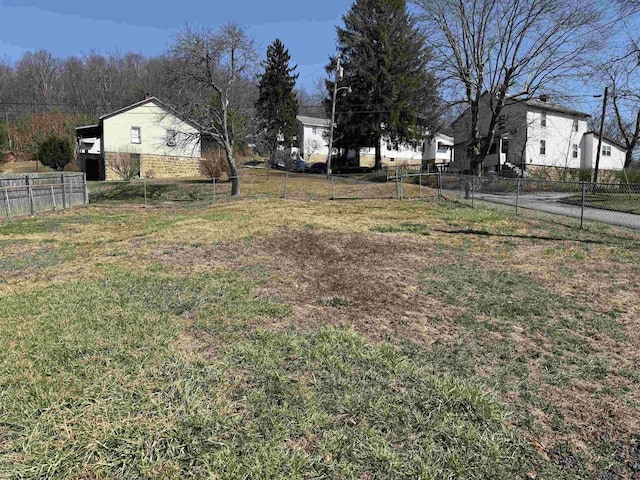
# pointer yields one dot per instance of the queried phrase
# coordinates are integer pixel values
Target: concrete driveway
(551, 203)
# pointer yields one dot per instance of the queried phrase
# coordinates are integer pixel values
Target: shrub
(213, 164)
(55, 152)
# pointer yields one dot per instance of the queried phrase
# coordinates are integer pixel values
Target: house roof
(314, 121)
(551, 107)
(534, 103)
(156, 101)
(608, 139)
(88, 131)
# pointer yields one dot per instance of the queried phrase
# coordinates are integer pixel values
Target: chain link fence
(574, 202)
(611, 203)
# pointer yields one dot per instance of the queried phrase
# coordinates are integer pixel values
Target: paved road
(550, 203)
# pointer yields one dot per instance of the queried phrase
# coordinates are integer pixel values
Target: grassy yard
(618, 202)
(268, 338)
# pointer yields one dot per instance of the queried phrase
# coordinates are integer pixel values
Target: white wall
(590, 151)
(313, 140)
(154, 122)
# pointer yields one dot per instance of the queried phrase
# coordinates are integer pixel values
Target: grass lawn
(619, 202)
(268, 338)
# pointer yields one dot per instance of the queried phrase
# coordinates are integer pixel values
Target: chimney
(147, 96)
(545, 98)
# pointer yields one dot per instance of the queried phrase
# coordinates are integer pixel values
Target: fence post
(53, 199)
(517, 195)
(286, 178)
(420, 179)
(439, 177)
(397, 185)
(86, 188)
(64, 191)
(582, 204)
(32, 209)
(145, 192)
(473, 192)
(6, 202)
(332, 185)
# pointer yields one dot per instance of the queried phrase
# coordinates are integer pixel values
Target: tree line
(402, 65)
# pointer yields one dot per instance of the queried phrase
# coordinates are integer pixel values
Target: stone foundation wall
(555, 174)
(158, 166)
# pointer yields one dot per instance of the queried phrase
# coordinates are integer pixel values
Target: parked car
(318, 167)
(300, 165)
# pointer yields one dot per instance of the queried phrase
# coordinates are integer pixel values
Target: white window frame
(543, 147)
(543, 119)
(606, 150)
(575, 150)
(139, 135)
(575, 127)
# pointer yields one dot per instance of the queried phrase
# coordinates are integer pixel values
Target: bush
(213, 164)
(55, 152)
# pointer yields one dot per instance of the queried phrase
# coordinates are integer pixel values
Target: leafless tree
(214, 69)
(506, 48)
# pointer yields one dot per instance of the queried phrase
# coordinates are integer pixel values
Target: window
(442, 148)
(505, 146)
(543, 147)
(606, 150)
(136, 135)
(314, 130)
(575, 124)
(543, 119)
(171, 138)
(575, 150)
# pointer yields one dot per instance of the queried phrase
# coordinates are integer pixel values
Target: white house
(313, 140)
(530, 134)
(149, 134)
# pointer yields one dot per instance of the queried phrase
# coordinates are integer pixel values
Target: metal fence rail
(33, 193)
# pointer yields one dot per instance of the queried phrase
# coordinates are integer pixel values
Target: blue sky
(74, 27)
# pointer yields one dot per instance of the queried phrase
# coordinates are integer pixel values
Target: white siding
(615, 161)
(559, 136)
(154, 123)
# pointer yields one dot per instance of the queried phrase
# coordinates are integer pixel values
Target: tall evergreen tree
(277, 105)
(393, 94)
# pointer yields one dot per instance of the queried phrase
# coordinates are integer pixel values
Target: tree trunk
(378, 160)
(233, 174)
(628, 157)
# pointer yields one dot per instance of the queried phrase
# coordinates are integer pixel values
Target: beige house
(148, 137)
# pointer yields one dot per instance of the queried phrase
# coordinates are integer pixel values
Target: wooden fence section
(41, 192)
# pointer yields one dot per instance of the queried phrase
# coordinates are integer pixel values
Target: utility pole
(604, 111)
(333, 112)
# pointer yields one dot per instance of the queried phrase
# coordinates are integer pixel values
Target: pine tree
(277, 105)
(393, 94)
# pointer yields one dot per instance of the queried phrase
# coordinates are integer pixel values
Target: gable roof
(157, 102)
